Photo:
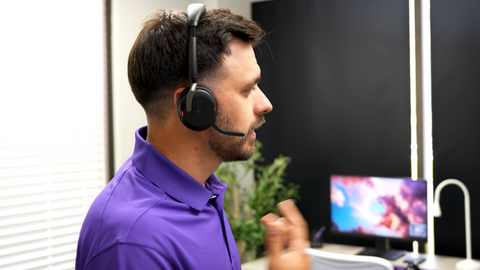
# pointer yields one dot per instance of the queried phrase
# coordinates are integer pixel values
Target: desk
(436, 262)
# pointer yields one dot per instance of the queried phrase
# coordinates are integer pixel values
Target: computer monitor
(380, 208)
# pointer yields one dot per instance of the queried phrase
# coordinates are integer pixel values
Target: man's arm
(291, 231)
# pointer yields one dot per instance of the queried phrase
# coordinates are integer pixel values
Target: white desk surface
(433, 262)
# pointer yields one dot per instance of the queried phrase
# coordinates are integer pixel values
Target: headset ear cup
(204, 109)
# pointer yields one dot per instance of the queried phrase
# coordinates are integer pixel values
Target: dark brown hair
(158, 64)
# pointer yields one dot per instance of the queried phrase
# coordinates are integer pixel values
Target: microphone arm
(226, 132)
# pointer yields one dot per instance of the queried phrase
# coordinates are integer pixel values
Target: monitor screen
(394, 208)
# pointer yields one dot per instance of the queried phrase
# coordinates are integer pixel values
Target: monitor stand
(381, 250)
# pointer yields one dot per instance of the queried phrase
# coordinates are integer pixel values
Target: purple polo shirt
(153, 215)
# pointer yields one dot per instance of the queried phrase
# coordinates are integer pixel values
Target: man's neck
(185, 148)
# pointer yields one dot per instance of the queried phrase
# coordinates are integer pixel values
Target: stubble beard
(233, 148)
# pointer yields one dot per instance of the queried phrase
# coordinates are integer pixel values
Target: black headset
(196, 106)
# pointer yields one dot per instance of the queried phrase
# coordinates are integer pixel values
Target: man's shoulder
(120, 211)
(128, 197)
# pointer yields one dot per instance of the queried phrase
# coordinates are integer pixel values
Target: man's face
(241, 104)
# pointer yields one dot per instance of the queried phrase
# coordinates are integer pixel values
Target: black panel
(456, 118)
(337, 74)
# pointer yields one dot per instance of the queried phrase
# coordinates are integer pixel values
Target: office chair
(322, 260)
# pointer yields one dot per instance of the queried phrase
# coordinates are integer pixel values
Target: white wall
(127, 17)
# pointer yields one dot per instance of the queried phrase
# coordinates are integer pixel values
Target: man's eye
(251, 89)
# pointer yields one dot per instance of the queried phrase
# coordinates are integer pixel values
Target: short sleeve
(129, 257)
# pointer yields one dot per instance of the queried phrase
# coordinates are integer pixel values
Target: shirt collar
(170, 178)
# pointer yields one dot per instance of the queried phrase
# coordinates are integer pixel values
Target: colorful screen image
(379, 206)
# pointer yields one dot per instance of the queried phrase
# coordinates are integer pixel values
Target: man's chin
(243, 154)
(249, 149)
(233, 148)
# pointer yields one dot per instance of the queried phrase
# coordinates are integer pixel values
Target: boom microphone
(227, 132)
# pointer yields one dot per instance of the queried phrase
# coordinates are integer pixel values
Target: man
(164, 207)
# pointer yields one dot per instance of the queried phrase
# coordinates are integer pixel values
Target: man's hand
(291, 231)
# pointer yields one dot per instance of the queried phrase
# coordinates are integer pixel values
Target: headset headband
(194, 12)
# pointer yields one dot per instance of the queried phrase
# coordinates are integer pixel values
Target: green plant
(245, 206)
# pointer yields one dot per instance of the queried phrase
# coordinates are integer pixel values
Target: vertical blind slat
(52, 131)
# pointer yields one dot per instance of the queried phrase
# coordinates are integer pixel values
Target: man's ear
(176, 95)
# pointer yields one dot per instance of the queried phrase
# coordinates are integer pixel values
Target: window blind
(52, 128)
